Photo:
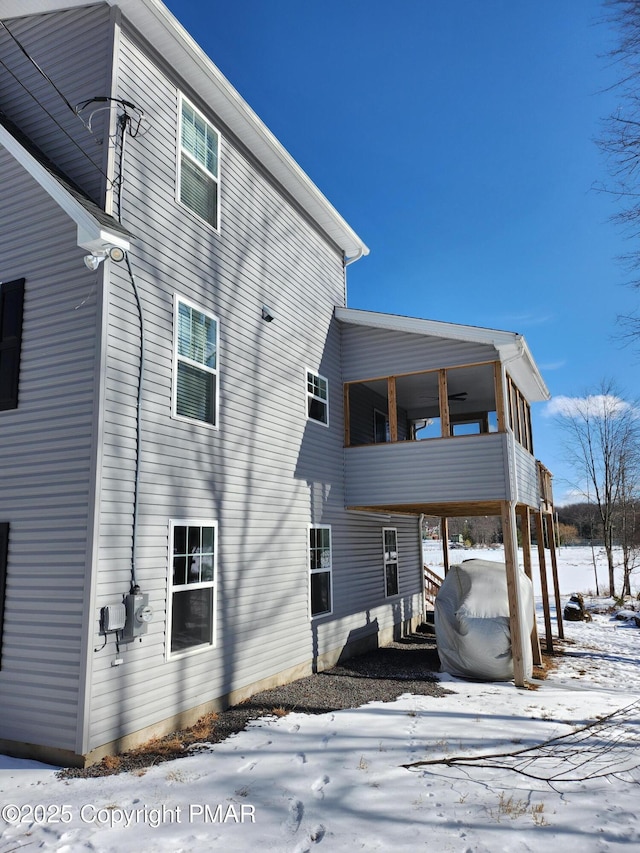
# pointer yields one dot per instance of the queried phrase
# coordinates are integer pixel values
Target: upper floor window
(195, 363)
(317, 398)
(199, 164)
(11, 303)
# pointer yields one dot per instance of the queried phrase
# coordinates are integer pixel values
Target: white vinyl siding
(199, 165)
(195, 363)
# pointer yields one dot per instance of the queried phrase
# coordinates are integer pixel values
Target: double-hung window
(11, 303)
(317, 398)
(199, 164)
(192, 585)
(320, 568)
(390, 551)
(195, 363)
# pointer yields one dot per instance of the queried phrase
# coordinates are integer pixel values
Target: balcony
(444, 477)
(441, 442)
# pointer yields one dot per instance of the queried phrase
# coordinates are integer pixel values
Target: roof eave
(92, 235)
(511, 347)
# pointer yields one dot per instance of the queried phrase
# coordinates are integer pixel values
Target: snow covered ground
(577, 566)
(336, 782)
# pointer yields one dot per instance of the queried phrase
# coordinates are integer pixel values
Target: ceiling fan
(458, 397)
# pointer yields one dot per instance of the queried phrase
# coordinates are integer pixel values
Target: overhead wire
(39, 69)
(125, 124)
(55, 121)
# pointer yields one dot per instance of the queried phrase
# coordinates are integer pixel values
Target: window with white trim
(320, 569)
(195, 363)
(317, 398)
(199, 164)
(192, 585)
(390, 552)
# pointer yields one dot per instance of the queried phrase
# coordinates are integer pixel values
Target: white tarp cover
(472, 621)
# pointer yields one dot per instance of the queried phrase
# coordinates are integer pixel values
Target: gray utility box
(139, 614)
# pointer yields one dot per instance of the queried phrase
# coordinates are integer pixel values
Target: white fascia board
(419, 326)
(91, 234)
(165, 33)
(511, 347)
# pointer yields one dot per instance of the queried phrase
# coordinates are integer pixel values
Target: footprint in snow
(318, 786)
(294, 817)
(315, 837)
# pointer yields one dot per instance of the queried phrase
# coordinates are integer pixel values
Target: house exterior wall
(528, 491)
(74, 46)
(368, 353)
(263, 474)
(266, 473)
(45, 466)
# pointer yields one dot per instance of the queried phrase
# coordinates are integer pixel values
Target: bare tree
(602, 435)
(628, 520)
(620, 140)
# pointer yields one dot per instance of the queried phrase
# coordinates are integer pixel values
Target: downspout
(345, 263)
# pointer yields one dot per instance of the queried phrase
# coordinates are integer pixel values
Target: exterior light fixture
(94, 260)
(267, 316)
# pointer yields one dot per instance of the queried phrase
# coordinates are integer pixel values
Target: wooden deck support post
(525, 521)
(510, 540)
(543, 582)
(392, 405)
(551, 539)
(444, 535)
(347, 415)
(443, 395)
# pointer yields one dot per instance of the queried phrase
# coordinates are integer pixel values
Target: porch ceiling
(440, 510)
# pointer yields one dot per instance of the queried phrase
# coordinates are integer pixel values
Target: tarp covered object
(472, 621)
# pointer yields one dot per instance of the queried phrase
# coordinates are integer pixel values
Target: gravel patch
(406, 666)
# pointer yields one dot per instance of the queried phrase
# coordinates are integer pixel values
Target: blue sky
(458, 140)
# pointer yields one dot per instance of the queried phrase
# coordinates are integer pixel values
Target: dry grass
(510, 808)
